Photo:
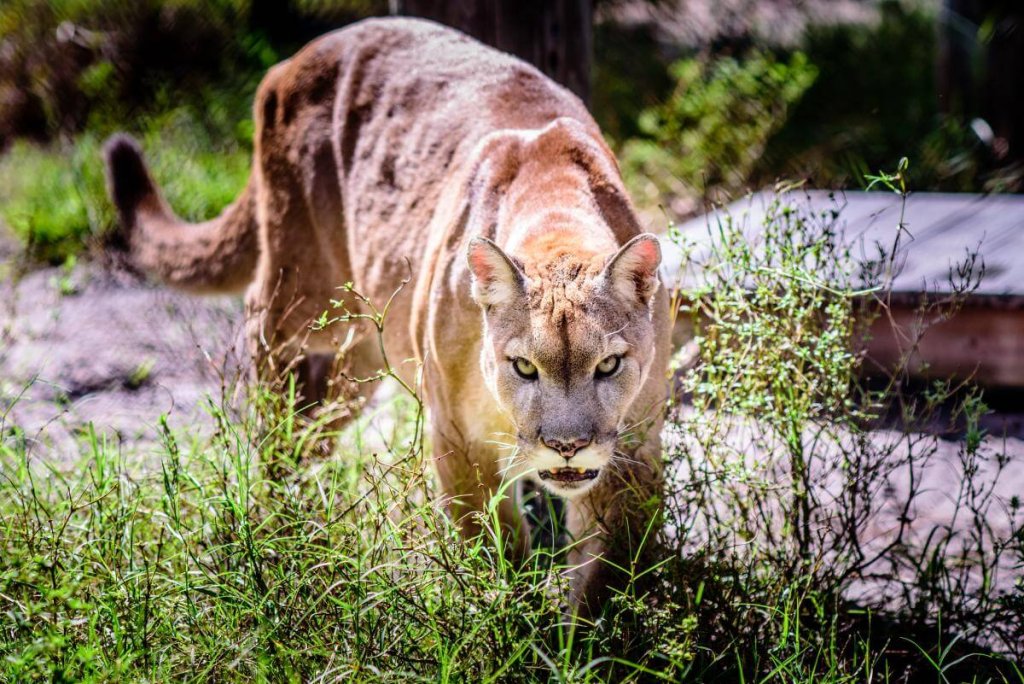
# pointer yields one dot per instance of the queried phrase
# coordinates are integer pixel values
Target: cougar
(399, 151)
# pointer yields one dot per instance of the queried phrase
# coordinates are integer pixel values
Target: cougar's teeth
(567, 475)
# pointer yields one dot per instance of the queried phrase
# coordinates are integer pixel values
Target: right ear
(496, 279)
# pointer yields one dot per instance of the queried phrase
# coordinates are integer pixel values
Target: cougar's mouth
(568, 475)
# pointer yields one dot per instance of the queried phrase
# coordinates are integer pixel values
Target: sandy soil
(97, 346)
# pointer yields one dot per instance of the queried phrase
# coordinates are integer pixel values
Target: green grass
(235, 555)
(54, 197)
(225, 564)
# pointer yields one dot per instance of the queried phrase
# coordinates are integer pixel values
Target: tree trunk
(553, 35)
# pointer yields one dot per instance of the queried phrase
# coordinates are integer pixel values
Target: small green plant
(64, 282)
(140, 374)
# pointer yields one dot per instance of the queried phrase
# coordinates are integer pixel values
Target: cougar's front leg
(613, 527)
(470, 475)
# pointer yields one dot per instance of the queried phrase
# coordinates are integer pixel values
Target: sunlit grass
(54, 197)
(236, 554)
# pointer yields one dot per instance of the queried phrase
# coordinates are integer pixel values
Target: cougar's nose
(567, 448)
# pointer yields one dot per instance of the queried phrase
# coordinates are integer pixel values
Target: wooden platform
(985, 340)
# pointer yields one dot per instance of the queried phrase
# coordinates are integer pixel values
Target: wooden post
(553, 35)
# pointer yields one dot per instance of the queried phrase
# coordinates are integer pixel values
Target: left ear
(633, 271)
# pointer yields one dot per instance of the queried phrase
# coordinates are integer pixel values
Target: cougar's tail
(215, 256)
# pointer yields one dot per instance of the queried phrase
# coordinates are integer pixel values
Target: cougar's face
(565, 354)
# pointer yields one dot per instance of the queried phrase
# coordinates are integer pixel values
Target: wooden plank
(983, 345)
(984, 341)
(942, 228)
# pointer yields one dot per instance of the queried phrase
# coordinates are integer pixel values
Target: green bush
(180, 74)
(875, 100)
(709, 134)
(52, 198)
(862, 95)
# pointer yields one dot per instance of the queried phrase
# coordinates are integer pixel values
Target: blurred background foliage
(702, 100)
(823, 91)
(179, 74)
(710, 131)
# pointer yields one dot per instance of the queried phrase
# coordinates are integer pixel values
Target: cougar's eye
(608, 366)
(524, 368)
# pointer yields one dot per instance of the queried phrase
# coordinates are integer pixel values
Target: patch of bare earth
(100, 346)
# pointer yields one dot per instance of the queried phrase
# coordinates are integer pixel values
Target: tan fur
(391, 150)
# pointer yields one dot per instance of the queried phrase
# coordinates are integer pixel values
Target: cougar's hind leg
(341, 380)
(333, 367)
(304, 258)
(332, 371)
(277, 298)
(282, 307)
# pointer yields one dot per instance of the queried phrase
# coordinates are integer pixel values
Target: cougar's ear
(496, 278)
(633, 271)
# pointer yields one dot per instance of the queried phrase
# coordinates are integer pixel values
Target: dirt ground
(91, 345)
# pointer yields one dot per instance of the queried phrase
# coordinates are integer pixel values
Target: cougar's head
(568, 342)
